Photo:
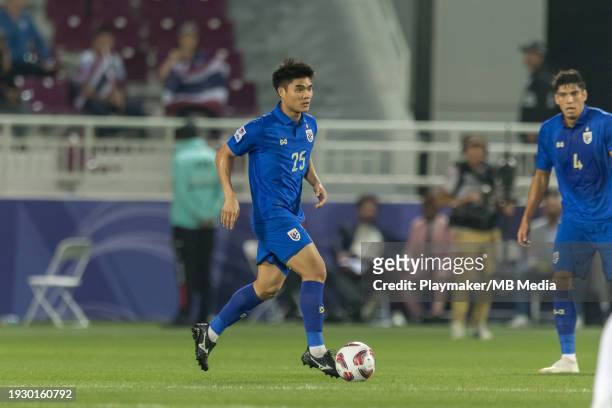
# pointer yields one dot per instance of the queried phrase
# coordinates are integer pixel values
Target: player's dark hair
(289, 70)
(567, 77)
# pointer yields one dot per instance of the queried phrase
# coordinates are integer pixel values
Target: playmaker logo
(403, 263)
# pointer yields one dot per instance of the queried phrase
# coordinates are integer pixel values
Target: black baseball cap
(534, 46)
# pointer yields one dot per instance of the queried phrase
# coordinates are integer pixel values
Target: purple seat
(73, 33)
(135, 65)
(107, 10)
(57, 10)
(242, 99)
(216, 33)
(163, 33)
(203, 9)
(234, 59)
(155, 10)
(45, 95)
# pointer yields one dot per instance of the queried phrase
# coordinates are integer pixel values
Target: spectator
(472, 194)
(429, 236)
(194, 83)
(29, 53)
(195, 208)
(536, 260)
(345, 281)
(100, 79)
(537, 101)
(9, 101)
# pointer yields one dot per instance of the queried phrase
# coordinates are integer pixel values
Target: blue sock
(242, 301)
(313, 311)
(564, 311)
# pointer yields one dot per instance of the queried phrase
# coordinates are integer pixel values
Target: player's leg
(572, 255)
(269, 281)
(309, 264)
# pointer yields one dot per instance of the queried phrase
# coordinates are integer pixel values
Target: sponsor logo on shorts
(283, 142)
(321, 309)
(294, 234)
(555, 257)
(560, 312)
(239, 134)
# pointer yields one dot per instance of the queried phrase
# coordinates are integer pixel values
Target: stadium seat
(216, 33)
(203, 9)
(73, 33)
(53, 290)
(162, 34)
(234, 59)
(242, 99)
(107, 10)
(135, 64)
(155, 10)
(57, 10)
(45, 95)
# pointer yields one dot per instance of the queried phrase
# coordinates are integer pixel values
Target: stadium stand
(145, 32)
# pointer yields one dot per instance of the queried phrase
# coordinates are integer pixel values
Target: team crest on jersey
(555, 257)
(294, 234)
(309, 135)
(239, 134)
(587, 136)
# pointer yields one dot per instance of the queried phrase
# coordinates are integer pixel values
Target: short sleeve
(543, 160)
(246, 138)
(608, 132)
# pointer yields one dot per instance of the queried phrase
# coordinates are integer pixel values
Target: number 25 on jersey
(299, 160)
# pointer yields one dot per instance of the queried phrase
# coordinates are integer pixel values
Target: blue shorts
(279, 240)
(577, 242)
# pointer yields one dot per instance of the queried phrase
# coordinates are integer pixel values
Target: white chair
(59, 281)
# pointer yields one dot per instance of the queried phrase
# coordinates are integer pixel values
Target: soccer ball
(355, 361)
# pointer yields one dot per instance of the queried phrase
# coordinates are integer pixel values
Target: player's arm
(231, 207)
(539, 185)
(313, 179)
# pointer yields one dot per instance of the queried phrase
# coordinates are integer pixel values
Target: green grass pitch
(142, 365)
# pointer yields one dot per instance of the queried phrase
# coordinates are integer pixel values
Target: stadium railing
(130, 158)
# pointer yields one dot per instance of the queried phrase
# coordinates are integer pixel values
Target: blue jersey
(279, 152)
(580, 156)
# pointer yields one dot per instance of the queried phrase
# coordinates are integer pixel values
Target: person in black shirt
(537, 102)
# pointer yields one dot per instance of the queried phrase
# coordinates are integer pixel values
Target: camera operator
(476, 196)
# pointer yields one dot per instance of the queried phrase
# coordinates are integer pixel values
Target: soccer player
(279, 145)
(578, 144)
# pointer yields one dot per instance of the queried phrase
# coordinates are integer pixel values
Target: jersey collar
(286, 120)
(582, 118)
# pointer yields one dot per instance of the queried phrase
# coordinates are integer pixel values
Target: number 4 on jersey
(577, 163)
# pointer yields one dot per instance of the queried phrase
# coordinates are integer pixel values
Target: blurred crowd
(103, 58)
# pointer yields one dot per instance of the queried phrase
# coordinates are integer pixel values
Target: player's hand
(522, 236)
(230, 212)
(321, 194)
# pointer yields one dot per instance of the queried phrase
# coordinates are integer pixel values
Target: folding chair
(270, 309)
(59, 281)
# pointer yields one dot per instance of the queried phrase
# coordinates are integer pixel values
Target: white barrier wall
(478, 72)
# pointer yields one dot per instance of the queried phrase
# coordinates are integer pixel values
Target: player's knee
(563, 281)
(270, 290)
(317, 271)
